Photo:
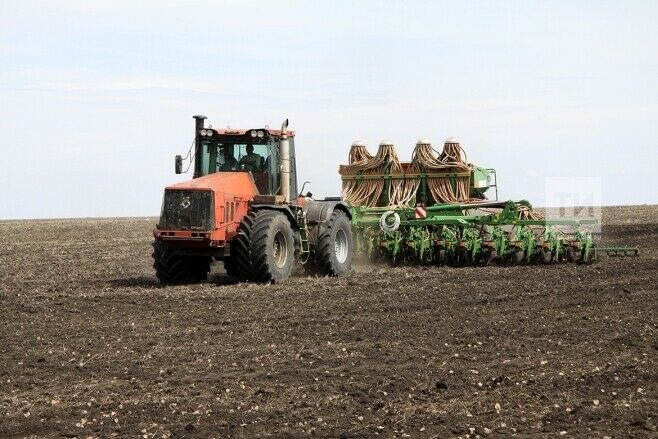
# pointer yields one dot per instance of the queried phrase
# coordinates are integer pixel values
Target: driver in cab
(252, 161)
(226, 161)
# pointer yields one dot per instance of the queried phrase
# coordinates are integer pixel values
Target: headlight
(261, 134)
(203, 132)
(253, 134)
(209, 133)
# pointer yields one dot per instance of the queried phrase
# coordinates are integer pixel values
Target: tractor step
(304, 251)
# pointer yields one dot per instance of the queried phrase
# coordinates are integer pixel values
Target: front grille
(187, 210)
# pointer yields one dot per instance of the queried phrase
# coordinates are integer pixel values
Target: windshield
(230, 157)
(219, 157)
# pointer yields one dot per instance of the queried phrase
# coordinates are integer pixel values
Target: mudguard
(318, 213)
(283, 208)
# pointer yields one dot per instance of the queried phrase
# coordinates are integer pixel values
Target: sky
(97, 97)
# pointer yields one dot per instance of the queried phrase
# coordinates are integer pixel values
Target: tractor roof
(242, 131)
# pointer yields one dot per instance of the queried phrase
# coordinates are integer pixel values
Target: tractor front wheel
(272, 247)
(171, 268)
(239, 263)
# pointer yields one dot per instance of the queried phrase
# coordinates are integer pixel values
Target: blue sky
(97, 97)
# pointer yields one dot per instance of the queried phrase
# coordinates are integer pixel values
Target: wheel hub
(280, 250)
(341, 246)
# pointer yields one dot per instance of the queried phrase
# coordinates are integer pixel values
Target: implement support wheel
(518, 256)
(573, 254)
(547, 256)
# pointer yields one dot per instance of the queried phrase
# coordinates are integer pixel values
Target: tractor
(242, 207)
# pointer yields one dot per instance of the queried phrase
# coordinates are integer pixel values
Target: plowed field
(91, 345)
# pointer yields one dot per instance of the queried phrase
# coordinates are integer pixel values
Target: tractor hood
(238, 184)
(211, 206)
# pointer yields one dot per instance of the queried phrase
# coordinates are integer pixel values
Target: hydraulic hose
(385, 226)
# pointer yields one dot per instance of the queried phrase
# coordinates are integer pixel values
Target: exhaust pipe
(198, 154)
(284, 151)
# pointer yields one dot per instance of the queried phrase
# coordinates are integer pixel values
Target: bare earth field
(91, 345)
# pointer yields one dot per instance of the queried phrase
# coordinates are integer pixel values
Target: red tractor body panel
(232, 194)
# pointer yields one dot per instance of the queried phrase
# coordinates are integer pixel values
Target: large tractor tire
(272, 247)
(335, 246)
(171, 268)
(239, 263)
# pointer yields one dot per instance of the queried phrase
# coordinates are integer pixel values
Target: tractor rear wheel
(272, 247)
(171, 268)
(334, 249)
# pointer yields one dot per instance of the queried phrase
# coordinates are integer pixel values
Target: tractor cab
(255, 151)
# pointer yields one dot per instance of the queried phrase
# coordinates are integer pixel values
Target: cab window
(252, 157)
(259, 160)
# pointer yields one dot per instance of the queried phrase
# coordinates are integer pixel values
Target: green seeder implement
(460, 234)
(433, 210)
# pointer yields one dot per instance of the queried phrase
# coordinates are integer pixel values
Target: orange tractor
(242, 207)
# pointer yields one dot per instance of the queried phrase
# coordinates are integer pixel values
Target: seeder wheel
(518, 256)
(441, 257)
(547, 256)
(463, 257)
(573, 254)
(487, 257)
(539, 256)
(586, 257)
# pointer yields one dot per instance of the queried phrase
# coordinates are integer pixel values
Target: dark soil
(91, 345)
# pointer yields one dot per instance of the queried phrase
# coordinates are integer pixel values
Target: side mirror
(178, 164)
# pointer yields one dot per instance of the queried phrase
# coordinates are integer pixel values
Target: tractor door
(262, 163)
